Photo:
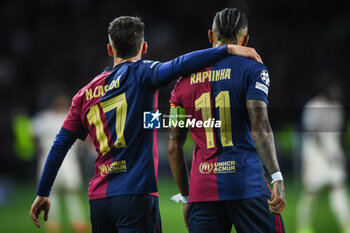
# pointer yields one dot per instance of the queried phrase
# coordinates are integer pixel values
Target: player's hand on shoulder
(278, 200)
(40, 204)
(244, 51)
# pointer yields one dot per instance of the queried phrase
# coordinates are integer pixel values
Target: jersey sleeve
(177, 110)
(177, 113)
(73, 121)
(149, 72)
(258, 83)
(63, 142)
(158, 74)
(71, 130)
(175, 98)
(188, 63)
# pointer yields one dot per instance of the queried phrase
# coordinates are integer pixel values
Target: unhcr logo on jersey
(205, 167)
(115, 167)
(218, 167)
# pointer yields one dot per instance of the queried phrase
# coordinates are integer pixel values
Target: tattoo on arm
(262, 134)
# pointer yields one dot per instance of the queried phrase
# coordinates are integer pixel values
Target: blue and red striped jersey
(110, 109)
(225, 163)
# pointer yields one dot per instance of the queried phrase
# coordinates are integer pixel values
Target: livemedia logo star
(151, 120)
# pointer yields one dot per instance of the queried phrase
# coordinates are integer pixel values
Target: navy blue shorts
(247, 216)
(125, 214)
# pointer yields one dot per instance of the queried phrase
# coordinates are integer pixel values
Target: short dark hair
(229, 22)
(127, 35)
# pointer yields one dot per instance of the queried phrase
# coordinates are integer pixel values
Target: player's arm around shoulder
(265, 146)
(244, 52)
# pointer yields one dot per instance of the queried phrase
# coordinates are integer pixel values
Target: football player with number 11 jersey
(227, 184)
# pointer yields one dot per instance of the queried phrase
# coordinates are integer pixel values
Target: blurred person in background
(323, 161)
(45, 125)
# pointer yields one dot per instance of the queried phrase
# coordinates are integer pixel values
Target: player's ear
(144, 48)
(211, 36)
(110, 50)
(245, 40)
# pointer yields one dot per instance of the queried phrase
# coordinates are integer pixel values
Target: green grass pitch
(14, 217)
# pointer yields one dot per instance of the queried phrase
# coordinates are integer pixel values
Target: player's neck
(219, 43)
(118, 60)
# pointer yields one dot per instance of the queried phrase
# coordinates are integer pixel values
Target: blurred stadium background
(52, 46)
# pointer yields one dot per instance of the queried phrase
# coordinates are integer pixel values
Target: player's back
(225, 158)
(111, 109)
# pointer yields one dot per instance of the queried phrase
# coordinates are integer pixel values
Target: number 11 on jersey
(222, 101)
